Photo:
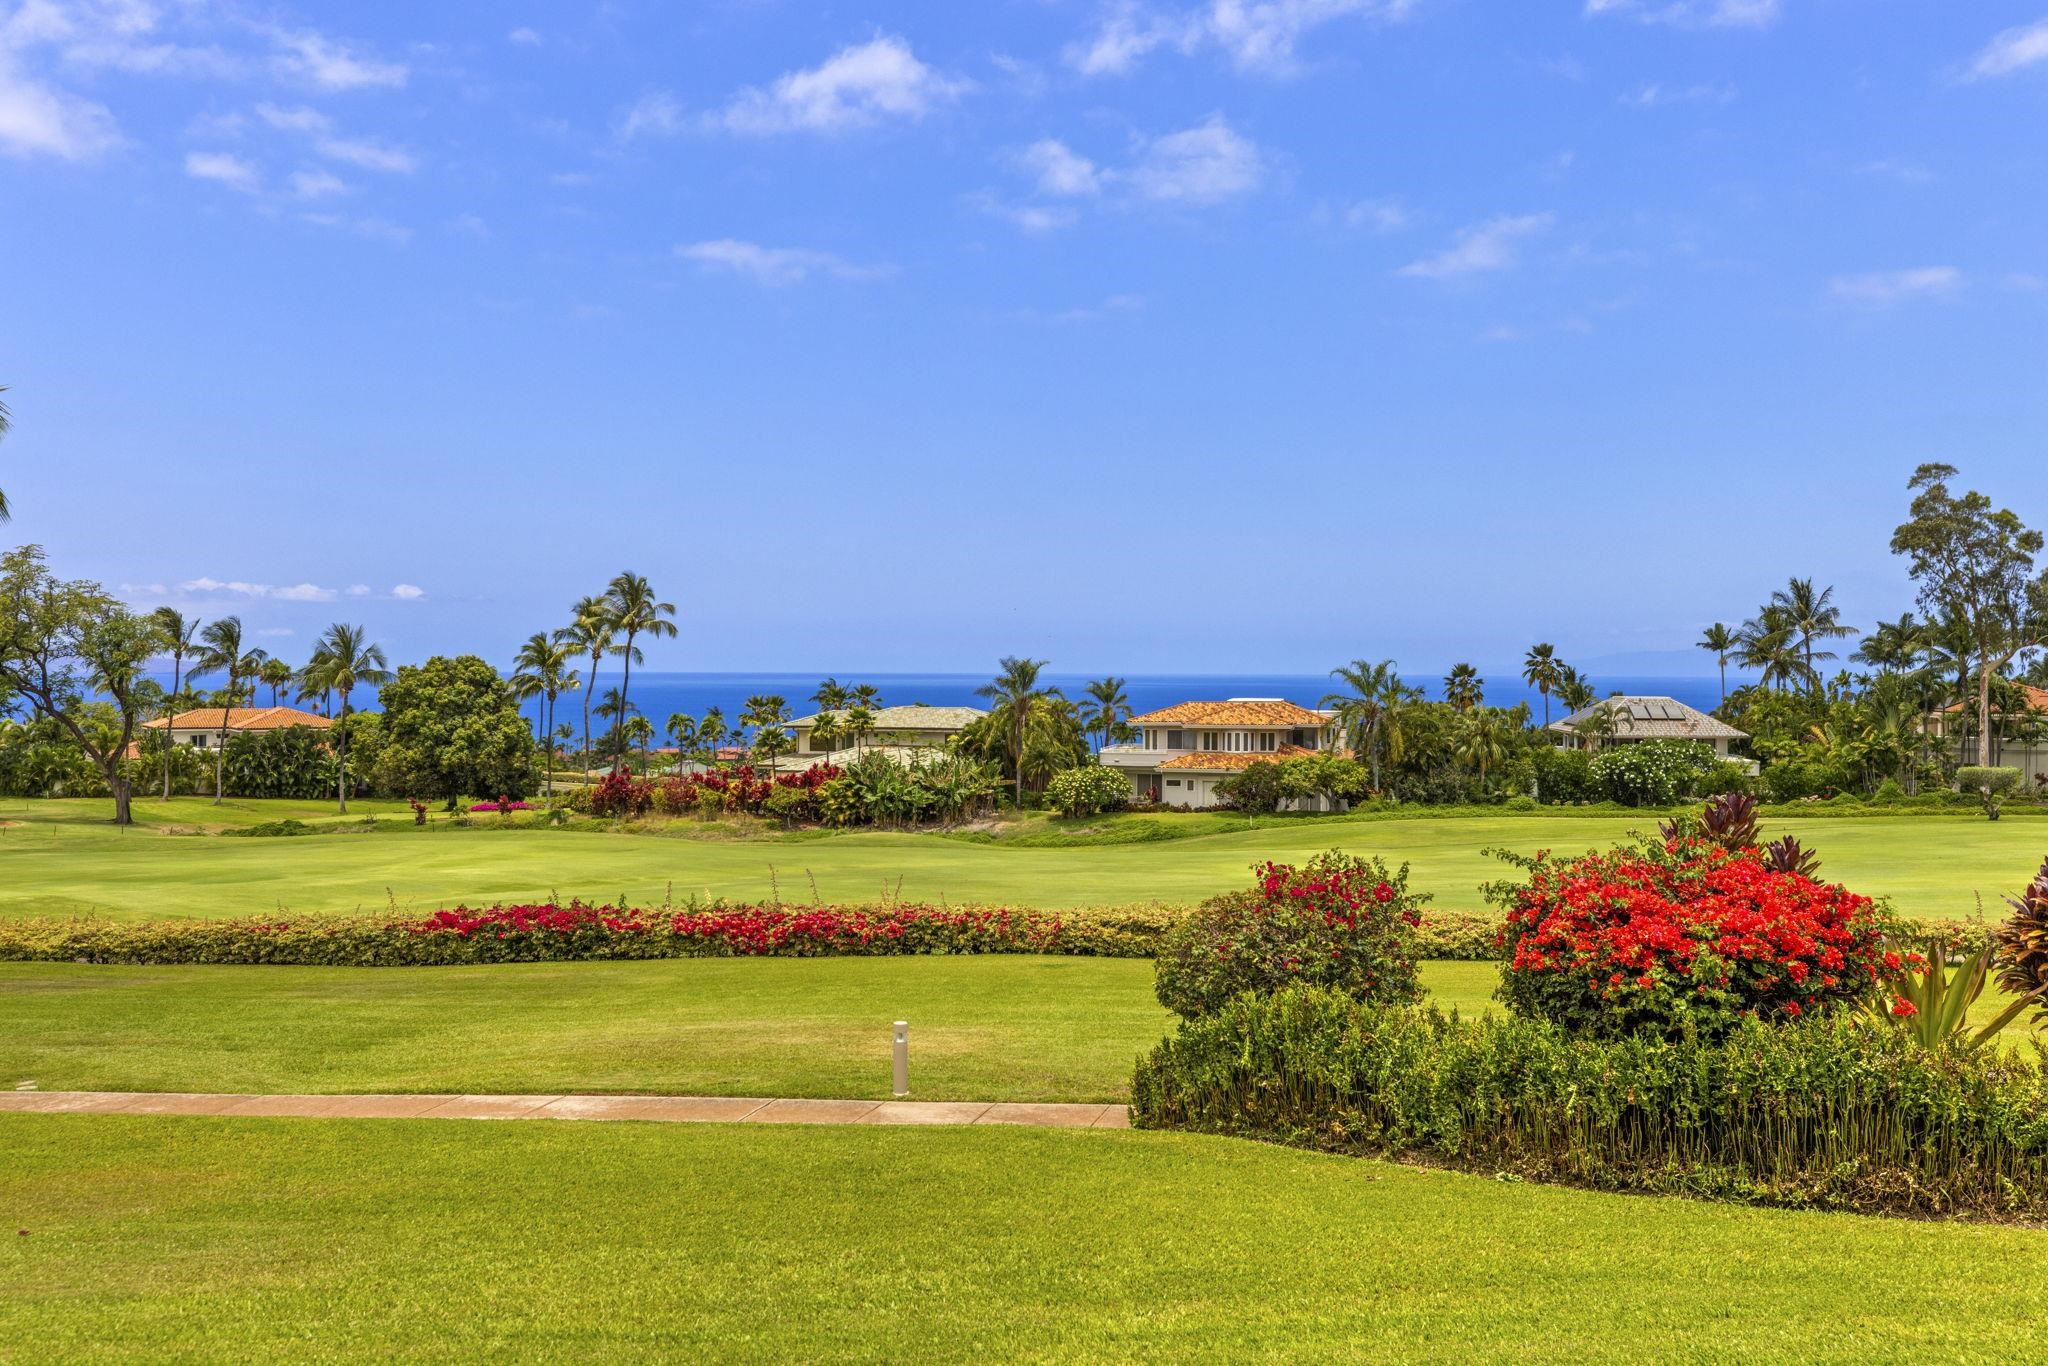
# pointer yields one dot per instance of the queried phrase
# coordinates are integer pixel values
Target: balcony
(1135, 756)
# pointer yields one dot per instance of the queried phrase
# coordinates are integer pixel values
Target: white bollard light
(903, 1057)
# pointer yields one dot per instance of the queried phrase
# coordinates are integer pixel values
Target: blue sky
(1145, 337)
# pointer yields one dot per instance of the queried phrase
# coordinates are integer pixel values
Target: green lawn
(57, 859)
(150, 1238)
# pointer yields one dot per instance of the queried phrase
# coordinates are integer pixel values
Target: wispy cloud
(1655, 95)
(2013, 50)
(1482, 248)
(37, 119)
(406, 592)
(316, 184)
(1691, 13)
(1261, 36)
(1892, 168)
(1376, 215)
(369, 155)
(774, 266)
(211, 588)
(1206, 164)
(523, 37)
(856, 87)
(1060, 170)
(1884, 288)
(1031, 218)
(330, 64)
(224, 168)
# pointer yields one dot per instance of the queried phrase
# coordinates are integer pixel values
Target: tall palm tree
(589, 632)
(221, 651)
(1769, 643)
(7, 422)
(541, 669)
(1543, 671)
(1812, 615)
(682, 733)
(1481, 739)
(1362, 712)
(857, 724)
(638, 730)
(768, 714)
(635, 612)
(1111, 707)
(181, 638)
(1575, 690)
(710, 731)
(1718, 641)
(274, 675)
(1016, 694)
(826, 731)
(348, 659)
(1463, 687)
(865, 695)
(830, 696)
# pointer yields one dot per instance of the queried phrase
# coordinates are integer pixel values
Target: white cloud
(1031, 218)
(1059, 169)
(1201, 165)
(406, 592)
(469, 225)
(523, 37)
(1690, 13)
(300, 119)
(225, 168)
(359, 590)
(1377, 215)
(370, 156)
(330, 65)
(1256, 35)
(316, 184)
(2013, 50)
(1114, 305)
(240, 588)
(653, 113)
(41, 120)
(854, 87)
(1886, 287)
(774, 266)
(1891, 168)
(1653, 95)
(371, 227)
(1493, 245)
(2026, 282)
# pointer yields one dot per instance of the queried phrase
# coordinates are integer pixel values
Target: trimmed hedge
(1836, 1113)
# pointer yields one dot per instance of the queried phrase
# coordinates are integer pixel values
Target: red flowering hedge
(1337, 921)
(560, 933)
(1679, 936)
(742, 788)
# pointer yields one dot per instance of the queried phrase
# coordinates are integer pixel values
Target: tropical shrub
(620, 796)
(294, 762)
(1337, 921)
(1835, 1112)
(1932, 1008)
(1654, 772)
(1086, 790)
(1992, 785)
(453, 727)
(2021, 954)
(1681, 936)
(1255, 789)
(1564, 776)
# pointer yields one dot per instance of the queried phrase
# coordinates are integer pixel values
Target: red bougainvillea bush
(1682, 936)
(1336, 921)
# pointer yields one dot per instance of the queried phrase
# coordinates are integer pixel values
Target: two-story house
(1183, 751)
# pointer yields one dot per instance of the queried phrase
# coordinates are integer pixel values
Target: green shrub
(1888, 793)
(1523, 802)
(1564, 775)
(1337, 921)
(1086, 790)
(1256, 788)
(1838, 1113)
(1998, 782)
(1462, 936)
(1653, 773)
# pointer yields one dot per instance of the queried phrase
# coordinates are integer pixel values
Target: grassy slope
(57, 862)
(322, 1238)
(981, 1028)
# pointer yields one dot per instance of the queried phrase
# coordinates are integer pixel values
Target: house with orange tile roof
(201, 727)
(2019, 740)
(1183, 751)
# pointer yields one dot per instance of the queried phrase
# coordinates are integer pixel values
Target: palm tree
(825, 731)
(221, 652)
(5, 513)
(710, 731)
(830, 696)
(640, 731)
(857, 724)
(274, 675)
(1718, 641)
(1112, 707)
(1543, 671)
(347, 659)
(1463, 687)
(769, 716)
(541, 669)
(1481, 739)
(1769, 642)
(614, 707)
(1362, 712)
(1575, 690)
(635, 611)
(1016, 694)
(682, 733)
(181, 638)
(1602, 723)
(589, 632)
(1812, 616)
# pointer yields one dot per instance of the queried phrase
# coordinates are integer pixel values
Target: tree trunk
(548, 747)
(177, 671)
(1724, 680)
(625, 688)
(341, 752)
(117, 784)
(220, 755)
(1984, 711)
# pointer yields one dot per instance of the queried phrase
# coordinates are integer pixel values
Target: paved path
(667, 1109)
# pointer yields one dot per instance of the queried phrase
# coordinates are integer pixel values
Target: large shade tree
(453, 726)
(1974, 564)
(64, 643)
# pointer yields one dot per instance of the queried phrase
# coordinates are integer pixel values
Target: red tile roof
(1238, 713)
(2037, 698)
(1210, 762)
(242, 718)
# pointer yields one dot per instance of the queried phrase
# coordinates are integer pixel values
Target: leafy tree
(6, 424)
(590, 632)
(453, 726)
(63, 640)
(181, 638)
(1463, 687)
(1485, 737)
(221, 652)
(1107, 711)
(1017, 697)
(344, 659)
(1543, 671)
(1718, 641)
(635, 612)
(1975, 564)
(541, 669)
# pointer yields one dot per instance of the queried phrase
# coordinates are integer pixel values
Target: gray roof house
(914, 727)
(1645, 718)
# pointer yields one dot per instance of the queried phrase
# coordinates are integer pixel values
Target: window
(1268, 741)
(1173, 782)
(1176, 739)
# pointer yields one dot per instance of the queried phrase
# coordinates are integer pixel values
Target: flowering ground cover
(286, 1239)
(55, 862)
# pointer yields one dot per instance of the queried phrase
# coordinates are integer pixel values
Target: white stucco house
(1184, 750)
(201, 728)
(1640, 718)
(896, 729)
(2011, 745)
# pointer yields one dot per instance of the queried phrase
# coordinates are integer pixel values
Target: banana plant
(1933, 1007)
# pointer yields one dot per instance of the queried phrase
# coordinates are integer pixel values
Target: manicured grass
(294, 1239)
(54, 862)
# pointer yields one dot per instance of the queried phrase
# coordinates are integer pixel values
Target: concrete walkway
(664, 1109)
